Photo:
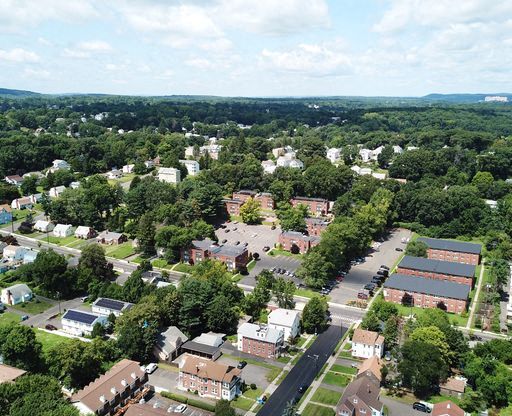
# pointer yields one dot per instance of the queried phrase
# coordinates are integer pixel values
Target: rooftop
(441, 288)
(8, 373)
(447, 408)
(209, 369)
(452, 245)
(113, 304)
(298, 236)
(304, 198)
(365, 389)
(203, 244)
(80, 316)
(372, 365)
(199, 348)
(362, 336)
(438, 266)
(262, 333)
(283, 317)
(229, 251)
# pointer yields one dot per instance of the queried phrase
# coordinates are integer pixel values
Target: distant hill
(464, 98)
(5, 92)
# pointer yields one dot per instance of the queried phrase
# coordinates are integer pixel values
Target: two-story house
(262, 341)
(361, 398)
(366, 344)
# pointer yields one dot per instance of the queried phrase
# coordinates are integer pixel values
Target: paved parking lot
(268, 262)
(251, 373)
(163, 404)
(257, 236)
(361, 274)
(164, 379)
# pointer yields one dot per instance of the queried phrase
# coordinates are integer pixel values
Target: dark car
(237, 242)
(234, 228)
(266, 248)
(226, 230)
(241, 364)
(377, 282)
(370, 287)
(421, 407)
(384, 273)
(302, 389)
(50, 327)
(273, 227)
(399, 249)
(363, 295)
(224, 241)
(383, 266)
(24, 317)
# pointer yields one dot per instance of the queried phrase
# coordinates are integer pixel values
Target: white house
(14, 253)
(22, 203)
(169, 175)
(289, 161)
(285, 320)
(128, 168)
(397, 150)
(168, 343)
(366, 155)
(268, 166)
(189, 151)
(80, 323)
(106, 306)
(30, 256)
(35, 198)
(149, 164)
(379, 175)
(377, 152)
(16, 180)
(296, 164)
(43, 226)
(63, 230)
(365, 171)
(84, 232)
(114, 174)
(333, 154)
(74, 185)
(56, 191)
(192, 166)
(213, 150)
(15, 294)
(366, 344)
(59, 164)
(356, 169)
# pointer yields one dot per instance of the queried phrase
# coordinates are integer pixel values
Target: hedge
(192, 402)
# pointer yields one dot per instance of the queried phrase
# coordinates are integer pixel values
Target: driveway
(304, 372)
(164, 379)
(397, 408)
(257, 236)
(362, 274)
(41, 319)
(163, 404)
(251, 373)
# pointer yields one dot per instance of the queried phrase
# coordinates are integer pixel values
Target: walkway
(477, 294)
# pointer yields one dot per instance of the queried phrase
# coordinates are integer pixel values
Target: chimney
(448, 405)
(123, 382)
(102, 399)
(134, 376)
(113, 390)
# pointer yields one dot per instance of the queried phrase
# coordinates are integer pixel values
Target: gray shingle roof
(438, 266)
(231, 251)
(261, 333)
(426, 286)
(451, 245)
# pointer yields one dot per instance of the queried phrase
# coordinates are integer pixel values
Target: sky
(257, 47)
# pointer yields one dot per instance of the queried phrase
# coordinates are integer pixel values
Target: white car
(171, 409)
(181, 408)
(151, 367)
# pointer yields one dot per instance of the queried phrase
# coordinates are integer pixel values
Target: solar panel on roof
(78, 316)
(110, 304)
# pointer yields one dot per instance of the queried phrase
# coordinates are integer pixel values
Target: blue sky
(257, 47)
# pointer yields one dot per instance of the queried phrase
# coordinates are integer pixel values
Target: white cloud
(199, 63)
(18, 55)
(16, 15)
(95, 46)
(267, 17)
(36, 73)
(165, 74)
(315, 60)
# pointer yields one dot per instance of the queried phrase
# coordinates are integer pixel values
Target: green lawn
(253, 394)
(49, 340)
(273, 373)
(347, 354)
(315, 410)
(161, 263)
(184, 268)
(454, 318)
(343, 369)
(485, 280)
(283, 359)
(326, 396)
(242, 403)
(308, 293)
(251, 265)
(9, 317)
(32, 307)
(62, 241)
(78, 243)
(300, 342)
(121, 251)
(336, 379)
(279, 252)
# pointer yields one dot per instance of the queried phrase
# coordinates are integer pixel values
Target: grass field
(121, 251)
(9, 317)
(315, 410)
(279, 252)
(49, 340)
(343, 369)
(253, 394)
(184, 268)
(326, 396)
(33, 307)
(162, 264)
(308, 293)
(454, 318)
(62, 241)
(242, 403)
(336, 379)
(78, 243)
(282, 377)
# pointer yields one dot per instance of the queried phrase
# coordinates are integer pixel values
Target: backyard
(49, 340)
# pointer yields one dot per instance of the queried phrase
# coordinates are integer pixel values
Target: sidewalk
(477, 294)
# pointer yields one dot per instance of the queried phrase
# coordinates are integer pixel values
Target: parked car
(273, 227)
(387, 356)
(235, 228)
(377, 282)
(226, 230)
(245, 244)
(302, 389)
(151, 367)
(171, 409)
(224, 241)
(180, 408)
(266, 248)
(24, 317)
(300, 285)
(370, 287)
(384, 273)
(241, 364)
(83, 298)
(50, 327)
(383, 266)
(421, 407)
(237, 242)
(363, 295)
(399, 249)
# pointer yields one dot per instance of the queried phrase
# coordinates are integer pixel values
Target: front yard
(9, 317)
(33, 307)
(62, 241)
(120, 251)
(326, 396)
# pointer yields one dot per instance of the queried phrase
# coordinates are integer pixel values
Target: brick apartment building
(316, 226)
(426, 293)
(262, 341)
(209, 378)
(449, 250)
(105, 395)
(317, 206)
(437, 269)
(296, 242)
(234, 257)
(239, 198)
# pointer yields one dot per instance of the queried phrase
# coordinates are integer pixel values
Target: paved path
(474, 304)
(304, 371)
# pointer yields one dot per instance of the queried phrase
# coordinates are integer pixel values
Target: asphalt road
(304, 372)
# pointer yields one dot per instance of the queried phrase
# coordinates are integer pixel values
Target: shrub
(201, 405)
(253, 386)
(174, 396)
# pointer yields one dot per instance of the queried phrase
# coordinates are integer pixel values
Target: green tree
(314, 270)
(290, 409)
(314, 315)
(29, 185)
(371, 322)
(146, 235)
(8, 192)
(250, 211)
(422, 367)
(98, 331)
(391, 331)
(223, 408)
(20, 348)
(221, 316)
(385, 156)
(134, 287)
(434, 336)
(416, 249)
(93, 261)
(483, 182)
(292, 218)
(283, 290)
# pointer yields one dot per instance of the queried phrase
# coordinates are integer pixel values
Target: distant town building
(63, 230)
(169, 175)
(59, 164)
(296, 242)
(269, 166)
(22, 203)
(316, 226)
(85, 233)
(168, 343)
(333, 154)
(15, 180)
(192, 166)
(495, 99)
(111, 238)
(5, 214)
(15, 294)
(56, 191)
(106, 307)
(128, 168)
(317, 206)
